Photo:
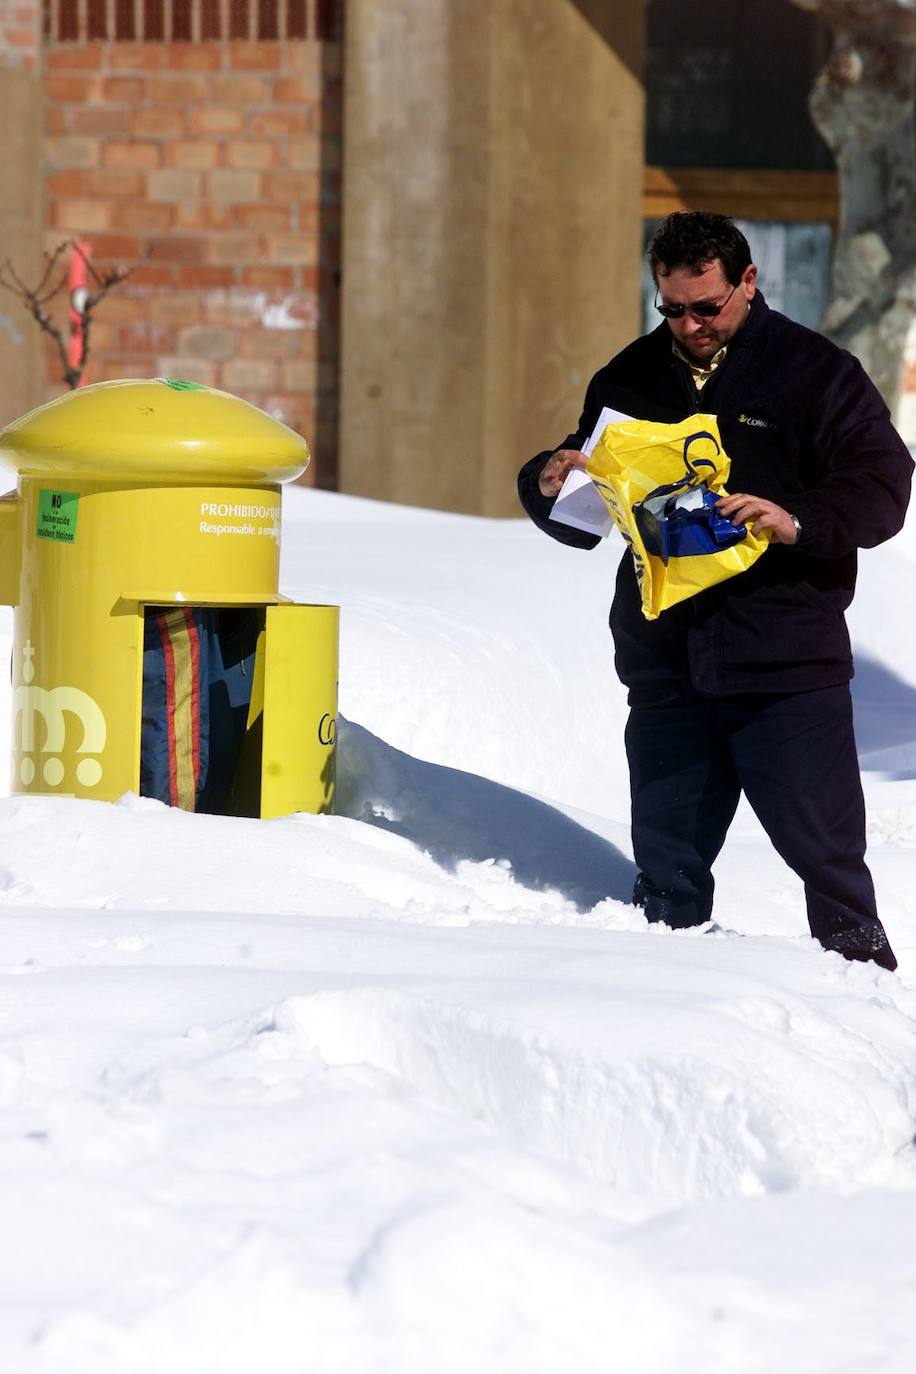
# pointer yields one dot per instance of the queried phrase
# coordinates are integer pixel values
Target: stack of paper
(579, 502)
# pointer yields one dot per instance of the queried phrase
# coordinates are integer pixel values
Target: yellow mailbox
(140, 498)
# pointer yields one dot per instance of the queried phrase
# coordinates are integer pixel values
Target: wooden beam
(790, 196)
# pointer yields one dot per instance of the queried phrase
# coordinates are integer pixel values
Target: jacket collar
(752, 326)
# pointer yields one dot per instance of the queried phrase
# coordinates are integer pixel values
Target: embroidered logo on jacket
(755, 422)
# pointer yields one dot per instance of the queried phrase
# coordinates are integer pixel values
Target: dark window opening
(181, 21)
(297, 19)
(125, 21)
(153, 20)
(268, 19)
(189, 21)
(727, 85)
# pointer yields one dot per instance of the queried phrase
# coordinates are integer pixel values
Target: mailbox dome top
(158, 430)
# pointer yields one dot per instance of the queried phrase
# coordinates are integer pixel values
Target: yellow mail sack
(660, 484)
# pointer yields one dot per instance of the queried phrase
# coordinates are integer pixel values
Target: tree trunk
(863, 105)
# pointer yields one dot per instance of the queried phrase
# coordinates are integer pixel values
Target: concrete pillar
(493, 172)
(21, 236)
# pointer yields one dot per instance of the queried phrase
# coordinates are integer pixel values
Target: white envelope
(579, 503)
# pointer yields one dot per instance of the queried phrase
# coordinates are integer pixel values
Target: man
(746, 685)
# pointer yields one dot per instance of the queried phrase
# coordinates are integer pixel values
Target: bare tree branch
(50, 286)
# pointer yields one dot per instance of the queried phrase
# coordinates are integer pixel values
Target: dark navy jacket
(804, 427)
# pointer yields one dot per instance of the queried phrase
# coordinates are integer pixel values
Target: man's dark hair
(695, 238)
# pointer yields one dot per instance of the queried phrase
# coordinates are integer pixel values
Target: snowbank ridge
(799, 1100)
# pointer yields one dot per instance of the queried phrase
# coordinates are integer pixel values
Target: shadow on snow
(455, 815)
(885, 715)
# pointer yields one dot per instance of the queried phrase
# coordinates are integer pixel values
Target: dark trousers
(794, 757)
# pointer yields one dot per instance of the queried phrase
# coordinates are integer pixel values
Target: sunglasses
(703, 310)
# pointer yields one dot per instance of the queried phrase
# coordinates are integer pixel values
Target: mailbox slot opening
(201, 715)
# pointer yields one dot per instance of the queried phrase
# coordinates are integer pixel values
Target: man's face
(699, 337)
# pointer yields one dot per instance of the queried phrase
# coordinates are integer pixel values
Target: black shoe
(863, 944)
(661, 908)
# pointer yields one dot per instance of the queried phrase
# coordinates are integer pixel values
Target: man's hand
(740, 509)
(556, 470)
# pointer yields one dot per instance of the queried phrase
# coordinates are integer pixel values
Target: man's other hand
(556, 470)
(741, 509)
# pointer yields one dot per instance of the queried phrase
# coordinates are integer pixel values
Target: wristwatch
(798, 526)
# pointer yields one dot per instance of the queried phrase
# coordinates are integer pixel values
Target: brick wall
(19, 33)
(216, 167)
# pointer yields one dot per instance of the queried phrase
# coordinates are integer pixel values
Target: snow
(412, 1088)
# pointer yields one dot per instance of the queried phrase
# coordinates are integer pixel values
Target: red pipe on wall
(79, 255)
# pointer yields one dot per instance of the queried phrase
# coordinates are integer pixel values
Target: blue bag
(679, 519)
